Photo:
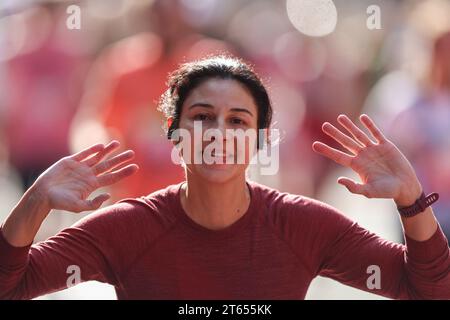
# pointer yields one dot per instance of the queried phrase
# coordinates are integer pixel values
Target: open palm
(384, 171)
(67, 184)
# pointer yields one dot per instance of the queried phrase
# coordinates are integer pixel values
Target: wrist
(409, 195)
(36, 198)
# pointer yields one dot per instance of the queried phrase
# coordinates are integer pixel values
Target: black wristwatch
(419, 206)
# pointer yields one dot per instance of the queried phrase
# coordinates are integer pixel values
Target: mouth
(221, 155)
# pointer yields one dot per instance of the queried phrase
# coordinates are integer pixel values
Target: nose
(221, 126)
(221, 129)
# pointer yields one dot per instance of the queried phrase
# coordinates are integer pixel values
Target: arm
(423, 266)
(64, 186)
(361, 259)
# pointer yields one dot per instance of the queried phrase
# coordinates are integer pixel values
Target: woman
(218, 235)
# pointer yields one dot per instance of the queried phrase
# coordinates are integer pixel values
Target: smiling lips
(221, 155)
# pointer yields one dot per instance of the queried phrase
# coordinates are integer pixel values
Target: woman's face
(222, 107)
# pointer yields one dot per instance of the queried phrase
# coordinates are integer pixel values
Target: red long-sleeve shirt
(148, 248)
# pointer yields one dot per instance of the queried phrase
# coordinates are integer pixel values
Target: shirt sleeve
(98, 247)
(358, 258)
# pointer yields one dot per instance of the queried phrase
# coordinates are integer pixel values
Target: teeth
(219, 154)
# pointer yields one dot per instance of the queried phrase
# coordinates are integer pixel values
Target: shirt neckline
(210, 233)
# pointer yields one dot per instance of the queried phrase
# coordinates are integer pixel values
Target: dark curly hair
(190, 75)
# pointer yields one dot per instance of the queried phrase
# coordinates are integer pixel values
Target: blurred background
(64, 89)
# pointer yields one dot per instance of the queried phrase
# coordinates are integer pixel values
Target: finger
(356, 132)
(372, 127)
(354, 187)
(93, 204)
(347, 142)
(87, 152)
(115, 176)
(100, 155)
(112, 163)
(333, 154)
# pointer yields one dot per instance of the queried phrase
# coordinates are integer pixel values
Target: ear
(169, 122)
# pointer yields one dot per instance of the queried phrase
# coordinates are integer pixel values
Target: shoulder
(159, 205)
(130, 215)
(293, 212)
(307, 225)
(124, 230)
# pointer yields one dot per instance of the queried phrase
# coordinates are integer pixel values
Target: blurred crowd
(62, 90)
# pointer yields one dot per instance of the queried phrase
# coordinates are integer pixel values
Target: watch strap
(419, 206)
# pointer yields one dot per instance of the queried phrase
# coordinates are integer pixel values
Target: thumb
(354, 187)
(93, 204)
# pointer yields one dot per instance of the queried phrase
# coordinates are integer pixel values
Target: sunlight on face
(221, 106)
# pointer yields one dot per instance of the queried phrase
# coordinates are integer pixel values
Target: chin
(218, 173)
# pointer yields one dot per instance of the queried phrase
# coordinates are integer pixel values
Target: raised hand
(383, 169)
(67, 184)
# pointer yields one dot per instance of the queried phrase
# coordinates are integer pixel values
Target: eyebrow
(207, 105)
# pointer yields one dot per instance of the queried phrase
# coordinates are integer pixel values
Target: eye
(201, 117)
(237, 121)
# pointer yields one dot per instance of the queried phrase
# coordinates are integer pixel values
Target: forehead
(222, 92)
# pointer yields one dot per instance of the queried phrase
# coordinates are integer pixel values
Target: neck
(215, 205)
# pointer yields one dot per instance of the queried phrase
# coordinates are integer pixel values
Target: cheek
(185, 137)
(246, 146)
